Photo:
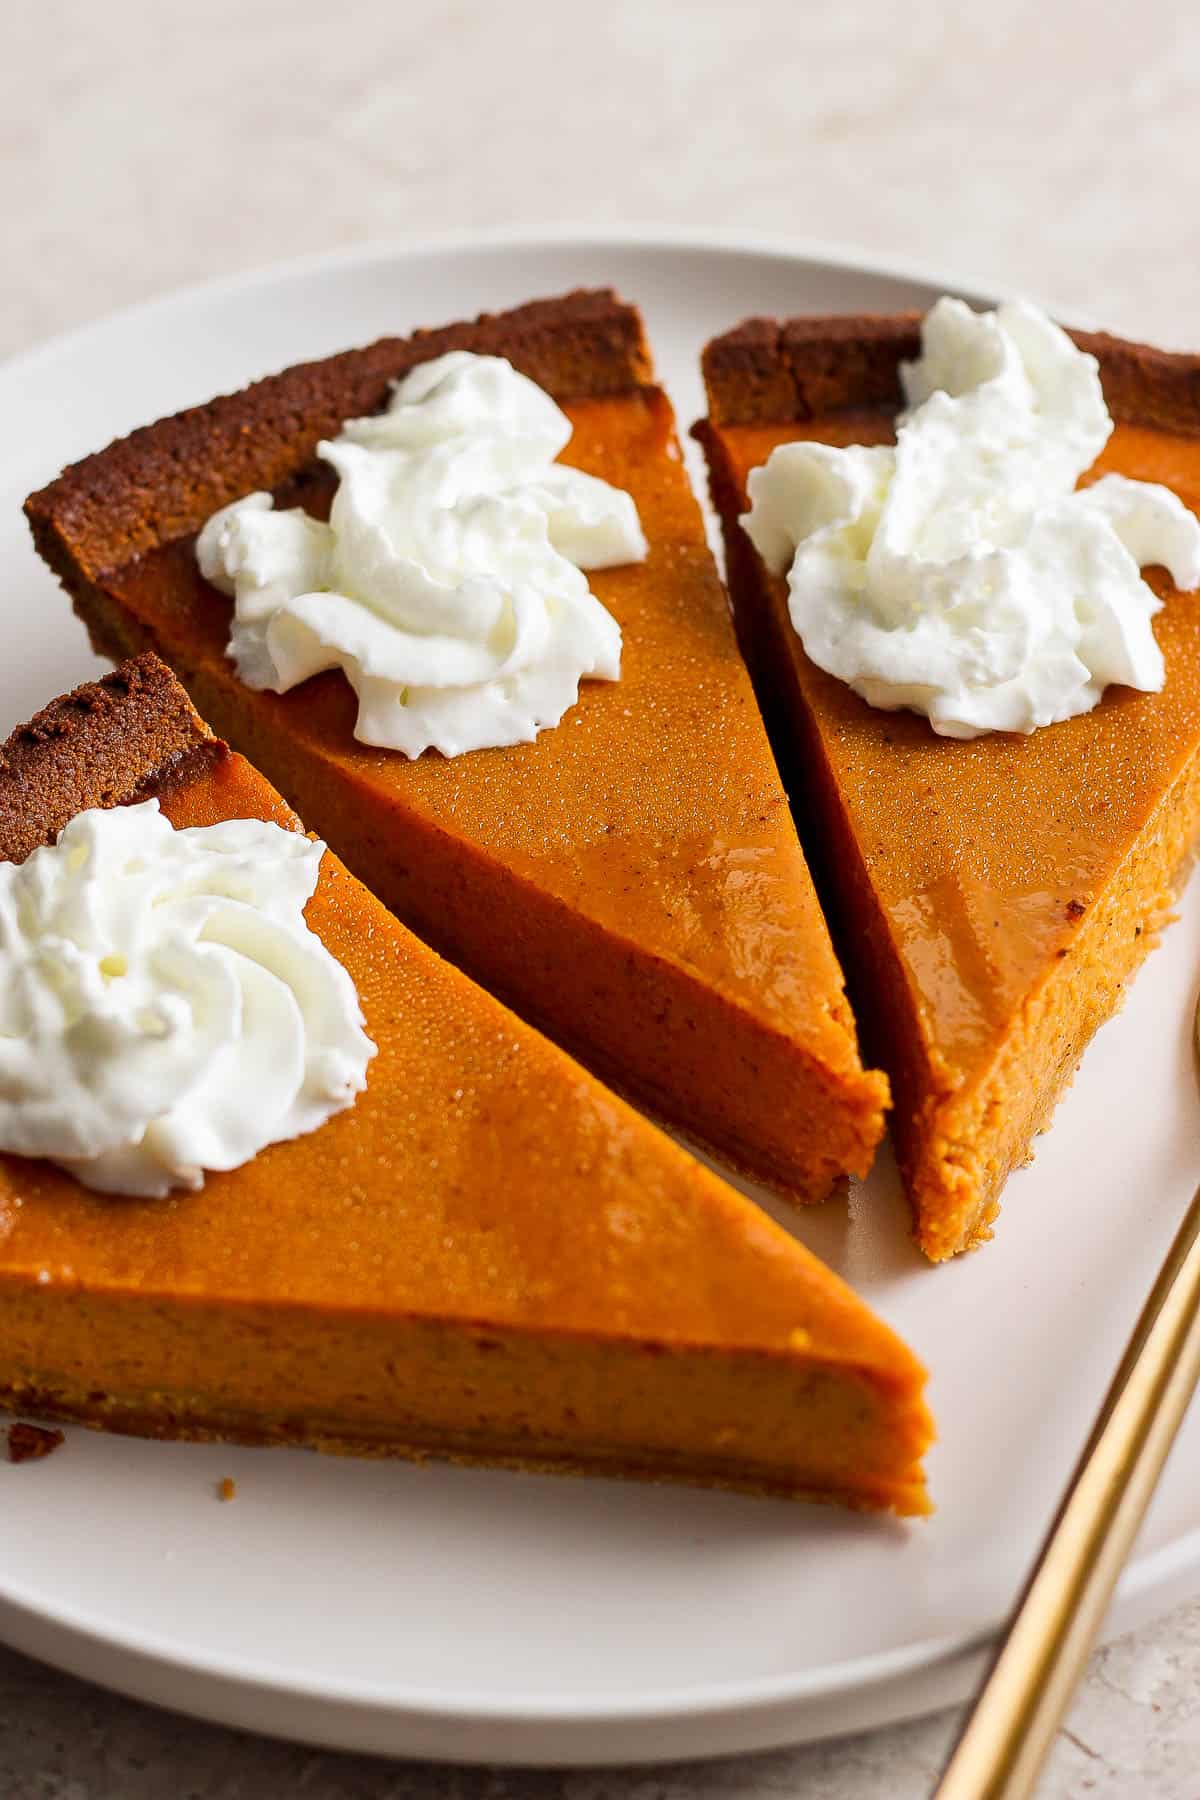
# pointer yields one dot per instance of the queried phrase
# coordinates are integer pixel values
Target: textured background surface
(1031, 144)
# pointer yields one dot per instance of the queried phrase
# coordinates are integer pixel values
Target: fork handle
(1052, 1629)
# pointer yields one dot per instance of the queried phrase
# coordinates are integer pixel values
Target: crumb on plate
(29, 1443)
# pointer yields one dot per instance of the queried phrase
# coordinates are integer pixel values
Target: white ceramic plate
(474, 1616)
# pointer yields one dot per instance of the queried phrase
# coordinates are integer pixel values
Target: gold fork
(1017, 1710)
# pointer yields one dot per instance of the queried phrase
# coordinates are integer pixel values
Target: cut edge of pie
(489, 1258)
(957, 1137)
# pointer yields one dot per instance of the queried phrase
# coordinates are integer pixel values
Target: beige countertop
(1032, 145)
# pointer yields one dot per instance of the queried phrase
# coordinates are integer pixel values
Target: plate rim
(951, 1659)
(829, 252)
(1139, 1585)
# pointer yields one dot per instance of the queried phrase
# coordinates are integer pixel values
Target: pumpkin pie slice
(995, 895)
(631, 882)
(487, 1257)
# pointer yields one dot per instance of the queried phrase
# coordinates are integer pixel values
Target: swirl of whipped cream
(962, 574)
(164, 1008)
(448, 582)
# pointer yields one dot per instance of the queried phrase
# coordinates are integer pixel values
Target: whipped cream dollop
(448, 582)
(960, 573)
(164, 1008)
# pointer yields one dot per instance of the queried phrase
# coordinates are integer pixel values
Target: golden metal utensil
(1016, 1713)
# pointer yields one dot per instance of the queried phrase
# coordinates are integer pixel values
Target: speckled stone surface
(1044, 148)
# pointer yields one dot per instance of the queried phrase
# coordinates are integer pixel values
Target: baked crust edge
(164, 480)
(786, 371)
(107, 743)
